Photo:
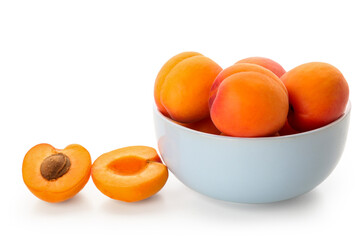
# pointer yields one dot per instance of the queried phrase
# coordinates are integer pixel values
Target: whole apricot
(249, 104)
(183, 85)
(238, 68)
(318, 95)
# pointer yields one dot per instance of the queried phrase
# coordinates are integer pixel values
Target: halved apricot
(55, 175)
(129, 174)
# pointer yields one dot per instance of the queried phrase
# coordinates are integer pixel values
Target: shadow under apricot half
(129, 174)
(55, 175)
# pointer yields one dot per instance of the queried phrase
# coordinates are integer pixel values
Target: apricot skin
(318, 95)
(129, 174)
(249, 104)
(182, 86)
(63, 188)
(287, 130)
(238, 68)
(205, 125)
(267, 63)
(164, 71)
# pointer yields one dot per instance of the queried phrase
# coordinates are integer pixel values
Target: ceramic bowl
(251, 170)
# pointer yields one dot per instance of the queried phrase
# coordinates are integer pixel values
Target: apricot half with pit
(55, 175)
(129, 174)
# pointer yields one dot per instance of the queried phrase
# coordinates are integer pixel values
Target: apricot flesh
(61, 187)
(182, 86)
(318, 95)
(129, 174)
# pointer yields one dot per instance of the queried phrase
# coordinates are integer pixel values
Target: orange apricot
(238, 68)
(182, 86)
(274, 135)
(267, 63)
(249, 104)
(318, 95)
(205, 125)
(55, 175)
(129, 174)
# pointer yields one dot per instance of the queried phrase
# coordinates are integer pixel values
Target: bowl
(251, 170)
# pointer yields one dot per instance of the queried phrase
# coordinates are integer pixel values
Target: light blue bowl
(251, 170)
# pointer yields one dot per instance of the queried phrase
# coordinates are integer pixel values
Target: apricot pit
(55, 166)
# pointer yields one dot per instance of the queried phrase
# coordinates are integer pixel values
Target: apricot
(129, 174)
(267, 63)
(318, 95)
(287, 130)
(182, 86)
(275, 135)
(238, 68)
(55, 175)
(205, 125)
(249, 104)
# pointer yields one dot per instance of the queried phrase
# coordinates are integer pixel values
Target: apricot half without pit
(129, 174)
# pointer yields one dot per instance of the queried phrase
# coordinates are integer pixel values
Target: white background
(83, 72)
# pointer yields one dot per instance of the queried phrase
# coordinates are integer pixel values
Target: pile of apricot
(255, 97)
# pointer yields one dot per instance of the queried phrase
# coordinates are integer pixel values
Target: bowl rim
(296, 135)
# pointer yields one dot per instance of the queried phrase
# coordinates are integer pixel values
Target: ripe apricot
(274, 135)
(249, 104)
(182, 86)
(318, 95)
(205, 125)
(267, 63)
(129, 174)
(238, 68)
(55, 175)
